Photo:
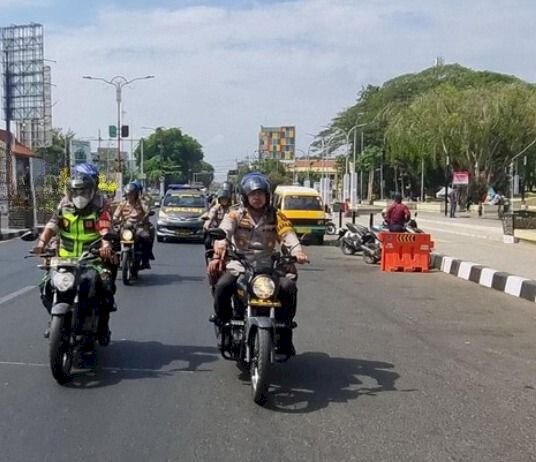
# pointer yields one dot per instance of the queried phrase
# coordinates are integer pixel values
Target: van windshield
(184, 201)
(302, 203)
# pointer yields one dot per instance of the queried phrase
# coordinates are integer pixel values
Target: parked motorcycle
(253, 337)
(351, 238)
(74, 327)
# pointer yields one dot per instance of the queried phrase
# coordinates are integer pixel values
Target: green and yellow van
(304, 208)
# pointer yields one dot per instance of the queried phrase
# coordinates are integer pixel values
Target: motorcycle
(253, 337)
(351, 238)
(74, 327)
(131, 251)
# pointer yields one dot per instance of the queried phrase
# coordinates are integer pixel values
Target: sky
(223, 68)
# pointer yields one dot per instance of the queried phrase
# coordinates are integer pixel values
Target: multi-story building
(277, 143)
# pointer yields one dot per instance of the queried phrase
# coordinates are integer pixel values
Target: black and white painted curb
(4, 236)
(487, 277)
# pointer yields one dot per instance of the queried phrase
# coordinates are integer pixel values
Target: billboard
(80, 152)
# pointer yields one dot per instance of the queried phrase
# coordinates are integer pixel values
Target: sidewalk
(6, 234)
(475, 240)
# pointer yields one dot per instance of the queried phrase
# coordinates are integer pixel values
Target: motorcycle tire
(369, 258)
(331, 229)
(260, 364)
(125, 268)
(60, 353)
(346, 249)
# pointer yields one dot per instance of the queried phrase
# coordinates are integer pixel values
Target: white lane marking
(497, 237)
(486, 277)
(465, 270)
(12, 295)
(513, 285)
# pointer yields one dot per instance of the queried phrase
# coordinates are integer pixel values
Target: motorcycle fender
(60, 309)
(260, 323)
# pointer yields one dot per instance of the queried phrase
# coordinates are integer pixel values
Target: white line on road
(12, 295)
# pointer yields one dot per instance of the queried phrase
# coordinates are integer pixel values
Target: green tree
(172, 154)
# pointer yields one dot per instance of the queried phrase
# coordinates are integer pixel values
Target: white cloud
(223, 72)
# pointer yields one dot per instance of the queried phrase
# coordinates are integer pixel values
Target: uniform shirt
(99, 205)
(215, 216)
(242, 230)
(136, 212)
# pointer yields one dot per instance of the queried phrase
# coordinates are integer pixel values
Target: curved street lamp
(118, 82)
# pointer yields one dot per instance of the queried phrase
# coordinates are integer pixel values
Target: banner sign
(460, 178)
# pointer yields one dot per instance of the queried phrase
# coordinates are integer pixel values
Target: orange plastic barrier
(406, 251)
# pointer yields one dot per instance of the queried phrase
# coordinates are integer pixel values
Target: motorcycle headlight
(127, 235)
(63, 281)
(263, 287)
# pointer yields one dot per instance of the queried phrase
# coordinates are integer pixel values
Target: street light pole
(118, 82)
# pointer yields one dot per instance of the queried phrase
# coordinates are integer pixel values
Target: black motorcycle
(131, 253)
(254, 337)
(74, 326)
(351, 238)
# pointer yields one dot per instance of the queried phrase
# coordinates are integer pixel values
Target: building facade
(277, 143)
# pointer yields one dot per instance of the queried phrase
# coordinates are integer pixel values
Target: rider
(255, 221)
(133, 210)
(216, 213)
(81, 218)
(397, 215)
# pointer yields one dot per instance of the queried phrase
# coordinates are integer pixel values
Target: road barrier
(406, 251)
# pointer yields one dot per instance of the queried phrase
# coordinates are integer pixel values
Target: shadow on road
(311, 381)
(127, 360)
(164, 279)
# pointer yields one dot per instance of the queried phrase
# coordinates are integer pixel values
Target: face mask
(80, 202)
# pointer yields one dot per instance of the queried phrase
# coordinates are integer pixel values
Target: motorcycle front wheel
(60, 353)
(260, 364)
(125, 268)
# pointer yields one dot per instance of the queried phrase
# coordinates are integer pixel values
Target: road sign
(142, 176)
(460, 178)
(112, 131)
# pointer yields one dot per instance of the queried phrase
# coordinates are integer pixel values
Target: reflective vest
(77, 233)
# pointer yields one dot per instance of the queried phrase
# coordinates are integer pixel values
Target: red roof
(17, 149)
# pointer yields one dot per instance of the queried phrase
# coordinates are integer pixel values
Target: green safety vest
(77, 233)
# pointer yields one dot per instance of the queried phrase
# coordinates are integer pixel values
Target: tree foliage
(172, 154)
(479, 119)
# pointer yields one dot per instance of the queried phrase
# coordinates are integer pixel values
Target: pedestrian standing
(453, 198)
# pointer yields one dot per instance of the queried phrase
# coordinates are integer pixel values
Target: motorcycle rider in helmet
(255, 221)
(82, 217)
(215, 215)
(134, 211)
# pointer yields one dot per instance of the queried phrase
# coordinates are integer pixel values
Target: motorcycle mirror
(217, 234)
(30, 236)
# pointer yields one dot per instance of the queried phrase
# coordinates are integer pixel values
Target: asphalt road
(390, 367)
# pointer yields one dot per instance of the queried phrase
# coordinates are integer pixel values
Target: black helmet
(81, 190)
(224, 194)
(253, 182)
(227, 186)
(131, 187)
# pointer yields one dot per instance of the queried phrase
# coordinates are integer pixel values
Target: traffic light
(124, 131)
(112, 131)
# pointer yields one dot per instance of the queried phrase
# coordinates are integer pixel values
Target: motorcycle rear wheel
(260, 365)
(60, 354)
(346, 249)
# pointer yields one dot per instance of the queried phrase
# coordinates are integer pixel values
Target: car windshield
(184, 201)
(302, 203)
